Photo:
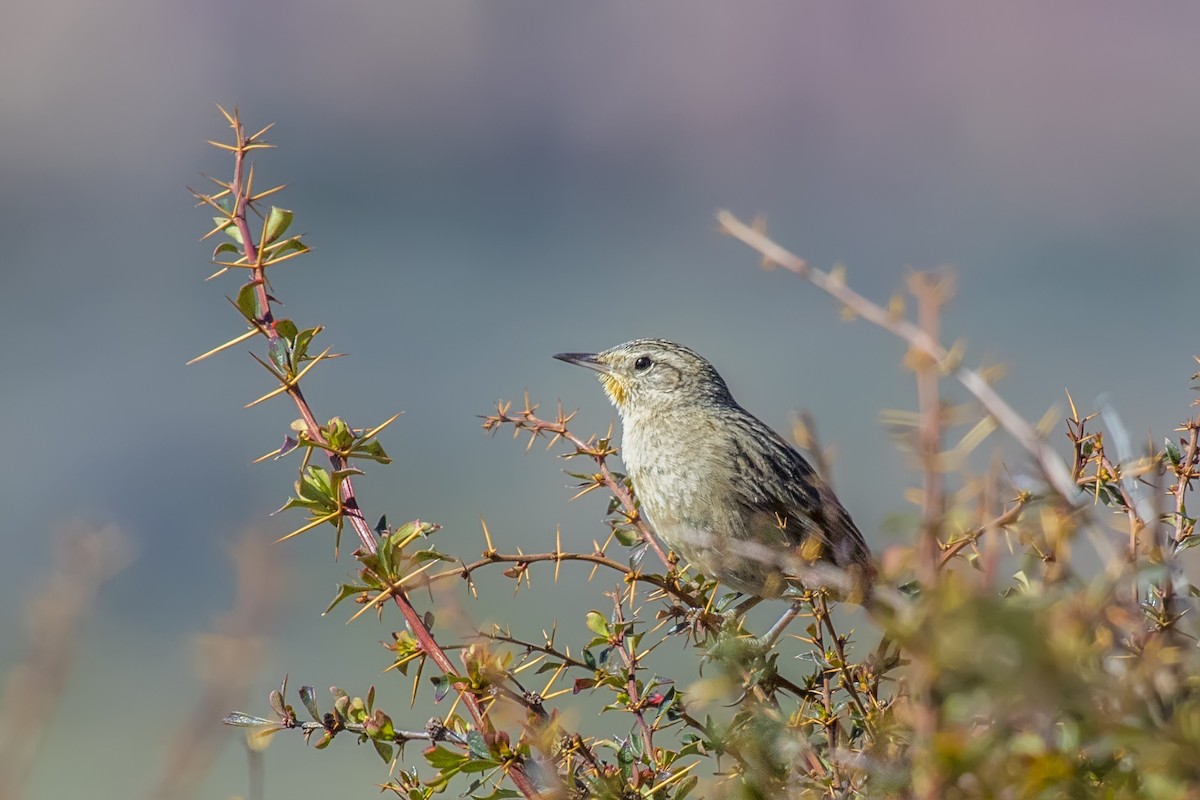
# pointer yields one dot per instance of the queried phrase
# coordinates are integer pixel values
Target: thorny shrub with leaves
(1040, 642)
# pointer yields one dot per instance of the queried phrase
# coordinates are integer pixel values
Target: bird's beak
(589, 360)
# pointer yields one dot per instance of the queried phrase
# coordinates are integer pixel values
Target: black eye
(643, 362)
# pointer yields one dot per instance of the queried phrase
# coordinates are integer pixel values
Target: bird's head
(652, 375)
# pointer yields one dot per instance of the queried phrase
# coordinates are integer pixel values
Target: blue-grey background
(485, 184)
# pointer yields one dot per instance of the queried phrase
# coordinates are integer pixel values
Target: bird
(721, 488)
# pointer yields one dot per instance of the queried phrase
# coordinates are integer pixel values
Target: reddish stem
(352, 512)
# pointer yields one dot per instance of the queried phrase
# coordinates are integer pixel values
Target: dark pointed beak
(588, 360)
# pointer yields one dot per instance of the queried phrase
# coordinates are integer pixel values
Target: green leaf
(314, 490)
(1173, 454)
(225, 247)
(278, 220)
(229, 228)
(685, 787)
(597, 623)
(338, 434)
(345, 590)
(626, 536)
(301, 343)
(286, 328)
(342, 706)
(477, 745)
(277, 351)
(384, 749)
(421, 556)
(247, 302)
(501, 794)
(308, 697)
(1188, 543)
(341, 474)
(373, 450)
(380, 724)
(442, 758)
(286, 246)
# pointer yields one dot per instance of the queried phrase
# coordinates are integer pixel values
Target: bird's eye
(643, 362)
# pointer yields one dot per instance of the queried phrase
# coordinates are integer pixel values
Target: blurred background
(485, 185)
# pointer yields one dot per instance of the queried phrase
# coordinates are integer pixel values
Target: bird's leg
(702, 618)
(781, 625)
(733, 616)
(745, 605)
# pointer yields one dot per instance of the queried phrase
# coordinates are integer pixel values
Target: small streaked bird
(720, 488)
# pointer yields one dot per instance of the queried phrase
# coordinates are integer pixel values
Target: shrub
(1033, 635)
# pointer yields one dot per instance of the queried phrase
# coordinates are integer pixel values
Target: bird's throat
(614, 390)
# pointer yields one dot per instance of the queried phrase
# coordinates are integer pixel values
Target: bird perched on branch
(718, 486)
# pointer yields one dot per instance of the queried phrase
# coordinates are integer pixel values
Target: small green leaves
(384, 750)
(339, 439)
(225, 247)
(598, 624)
(477, 745)
(352, 714)
(315, 490)
(227, 226)
(346, 590)
(626, 536)
(282, 251)
(1174, 456)
(247, 302)
(484, 753)
(406, 648)
(394, 566)
(1189, 541)
(308, 699)
(277, 222)
(441, 687)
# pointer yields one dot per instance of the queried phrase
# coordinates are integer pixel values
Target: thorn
(376, 430)
(557, 552)
(249, 181)
(487, 536)
(231, 343)
(1071, 400)
(273, 393)
(267, 193)
(260, 133)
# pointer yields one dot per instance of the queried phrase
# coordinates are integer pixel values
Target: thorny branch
(597, 450)
(239, 192)
(523, 560)
(948, 361)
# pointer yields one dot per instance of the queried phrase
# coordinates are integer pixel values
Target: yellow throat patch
(614, 389)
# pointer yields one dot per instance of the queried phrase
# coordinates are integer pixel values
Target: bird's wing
(773, 478)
